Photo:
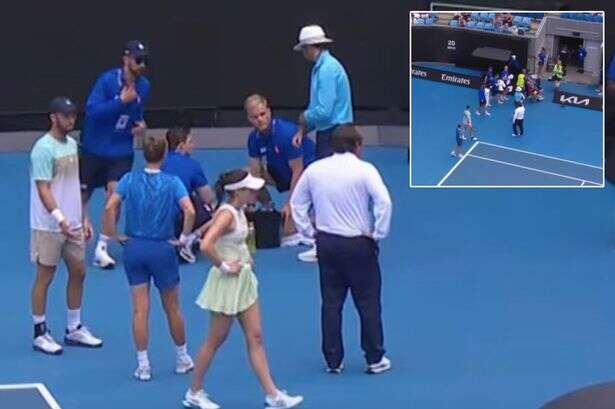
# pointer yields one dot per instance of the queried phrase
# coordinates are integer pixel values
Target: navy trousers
(349, 264)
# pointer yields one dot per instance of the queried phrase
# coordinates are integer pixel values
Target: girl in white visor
(230, 291)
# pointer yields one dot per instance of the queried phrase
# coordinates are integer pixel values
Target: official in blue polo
(274, 158)
(330, 95)
(581, 54)
(178, 162)
(113, 117)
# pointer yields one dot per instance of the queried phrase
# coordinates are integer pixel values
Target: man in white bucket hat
(330, 102)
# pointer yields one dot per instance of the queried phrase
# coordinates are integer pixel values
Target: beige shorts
(47, 248)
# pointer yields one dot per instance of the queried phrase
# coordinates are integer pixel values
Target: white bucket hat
(249, 182)
(310, 35)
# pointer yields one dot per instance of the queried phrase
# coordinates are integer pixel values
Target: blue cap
(62, 105)
(136, 48)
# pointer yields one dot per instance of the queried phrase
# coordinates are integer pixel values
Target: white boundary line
(554, 13)
(465, 155)
(42, 389)
(541, 155)
(527, 168)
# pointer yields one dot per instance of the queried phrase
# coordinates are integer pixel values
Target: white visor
(249, 182)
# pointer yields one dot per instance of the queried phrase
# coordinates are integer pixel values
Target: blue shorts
(146, 259)
(459, 141)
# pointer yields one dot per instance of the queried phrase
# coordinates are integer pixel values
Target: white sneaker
(282, 401)
(186, 253)
(296, 239)
(335, 371)
(453, 153)
(143, 373)
(309, 256)
(46, 344)
(102, 258)
(198, 400)
(183, 364)
(477, 113)
(379, 367)
(487, 113)
(82, 337)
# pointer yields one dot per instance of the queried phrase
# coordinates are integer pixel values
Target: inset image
(506, 99)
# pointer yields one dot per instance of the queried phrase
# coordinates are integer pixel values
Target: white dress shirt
(341, 189)
(519, 113)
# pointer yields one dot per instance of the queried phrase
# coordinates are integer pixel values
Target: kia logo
(572, 99)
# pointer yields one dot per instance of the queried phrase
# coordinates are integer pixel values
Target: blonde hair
(255, 99)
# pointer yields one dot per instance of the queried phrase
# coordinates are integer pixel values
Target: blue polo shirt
(330, 95)
(278, 148)
(187, 169)
(107, 130)
(150, 203)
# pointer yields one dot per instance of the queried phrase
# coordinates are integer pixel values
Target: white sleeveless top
(234, 241)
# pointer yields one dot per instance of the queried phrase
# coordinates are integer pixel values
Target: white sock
(38, 319)
(142, 358)
(102, 240)
(182, 350)
(73, 319)
(277, 393)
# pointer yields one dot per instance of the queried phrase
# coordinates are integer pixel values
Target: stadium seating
(595, 18)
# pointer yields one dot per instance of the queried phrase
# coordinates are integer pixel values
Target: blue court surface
(499, 299)
(566, 133)
(485, 164)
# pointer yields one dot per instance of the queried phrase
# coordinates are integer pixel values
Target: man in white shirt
(59, 227)
(347, 233)
(518, 116)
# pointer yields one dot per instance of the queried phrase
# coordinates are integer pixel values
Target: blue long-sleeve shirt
(330, 94)
(108, 121)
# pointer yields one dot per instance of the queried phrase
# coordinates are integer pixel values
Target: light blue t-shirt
(150, 199)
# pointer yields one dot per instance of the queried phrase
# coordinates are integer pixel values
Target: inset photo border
(505, 98)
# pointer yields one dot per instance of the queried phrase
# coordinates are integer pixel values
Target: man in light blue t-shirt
(59, 227)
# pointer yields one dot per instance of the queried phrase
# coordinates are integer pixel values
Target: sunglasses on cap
(143, 60)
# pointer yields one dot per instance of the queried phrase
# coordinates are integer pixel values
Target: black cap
(62, 105)
(136, 48)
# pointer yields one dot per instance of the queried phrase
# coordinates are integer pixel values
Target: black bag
(266, 228)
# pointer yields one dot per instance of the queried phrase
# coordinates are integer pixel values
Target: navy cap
(62, 105)
(136, 48)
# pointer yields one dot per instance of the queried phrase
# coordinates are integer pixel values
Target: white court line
(583, 184)
(42, 389)
(539, 154)
(458, 163)
(528, 168)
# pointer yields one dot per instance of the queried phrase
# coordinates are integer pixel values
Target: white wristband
(57, 214)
